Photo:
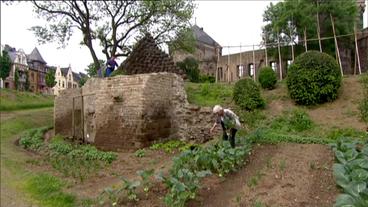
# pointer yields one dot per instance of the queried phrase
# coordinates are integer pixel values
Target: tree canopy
(5, 65)
(50, 78)
(287, 20)
(112, 24)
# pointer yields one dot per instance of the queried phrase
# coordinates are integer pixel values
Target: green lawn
(15, 100)
(209, 94)
(20, 185)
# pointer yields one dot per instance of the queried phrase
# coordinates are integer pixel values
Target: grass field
(15, 100)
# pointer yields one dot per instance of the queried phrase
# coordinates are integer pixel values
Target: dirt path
(276, 175)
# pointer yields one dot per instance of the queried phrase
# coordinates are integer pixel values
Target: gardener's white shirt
(230, 119)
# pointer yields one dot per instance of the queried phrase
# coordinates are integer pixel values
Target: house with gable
(19, 63)
(207, 51)
(37, 72)
(65, 78)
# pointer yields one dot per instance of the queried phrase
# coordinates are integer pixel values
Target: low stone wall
(130, 112)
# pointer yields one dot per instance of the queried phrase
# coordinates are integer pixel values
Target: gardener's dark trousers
(232, 134)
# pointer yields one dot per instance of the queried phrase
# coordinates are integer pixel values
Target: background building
(66, 78)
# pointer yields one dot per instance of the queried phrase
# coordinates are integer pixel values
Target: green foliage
(296, 120)
(113, 196)
(363, 106)
(192, 165)
(267, 136)
(251, 118)
(50, 78)
(190, 66)
(267, 78)
(83, 80)
(16, 78)
(117, 72)
(92, 70)
(207, 79)
(184, 41)
(346, 132)
(313, 78)
(5, 65)
(15, 100)
(27, 84)
(247, 94)
(47, 190)
(140, 153)
(351, 172)
(33, 139)
(78, 161)
(291, 17)
(162, 19)
(208, 94)
(169, 146)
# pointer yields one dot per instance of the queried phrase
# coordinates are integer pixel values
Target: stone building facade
(19, 62)
(130, 112)
(207, 52)
(65, 78)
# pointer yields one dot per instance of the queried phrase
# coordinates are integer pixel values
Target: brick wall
(130, 112)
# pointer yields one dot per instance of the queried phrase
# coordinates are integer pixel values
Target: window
(289, 62)
(63, 85)
(251, 69)
(274, 66)
(59, 83)
(70, 77)
(240, 70)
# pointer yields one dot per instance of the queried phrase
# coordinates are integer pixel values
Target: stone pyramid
(147, 57)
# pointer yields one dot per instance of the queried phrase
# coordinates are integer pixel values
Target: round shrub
(190, 66)
(313, 78)
(267, 78)
(247, 94)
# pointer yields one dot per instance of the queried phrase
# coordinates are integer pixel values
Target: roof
(36, 56)
(64, 71)
(12, 52)
(202, 36)
(78, 76)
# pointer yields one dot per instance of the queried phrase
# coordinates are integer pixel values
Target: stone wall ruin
(130, 112)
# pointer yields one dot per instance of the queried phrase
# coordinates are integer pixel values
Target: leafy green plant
(190, 66)
(267, 78)
(296, 120)
(140, 153)
(168, 146)
(346, 132)
(313, 78)
(33, 139)
(145, 176)
(363, 106)
(247, 94)
(130, 187)
(351, 172)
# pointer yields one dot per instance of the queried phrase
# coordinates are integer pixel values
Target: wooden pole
(73, 124)
(292, 48)
(218, 58)
(305, 39)
(266, 51)
(318, 29)
(254, 65)
(228, 64)
(82, 114)
(336, 45)
(240, 63)
(357, 51)
(280, 62)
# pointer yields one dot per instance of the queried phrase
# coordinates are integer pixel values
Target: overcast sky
(227, 22)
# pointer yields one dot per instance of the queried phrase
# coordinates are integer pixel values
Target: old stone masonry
(130, 112)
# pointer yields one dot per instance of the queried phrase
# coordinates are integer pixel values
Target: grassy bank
(16, 100)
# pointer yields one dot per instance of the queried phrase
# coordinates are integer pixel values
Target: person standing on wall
(229, 121)
(111, 64)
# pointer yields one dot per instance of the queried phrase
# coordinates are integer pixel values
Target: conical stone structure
(147, 57)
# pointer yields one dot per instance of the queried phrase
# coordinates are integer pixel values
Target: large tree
(287, 21)
(114, 24)
(92, 70)
(5, 65)
(50, 78)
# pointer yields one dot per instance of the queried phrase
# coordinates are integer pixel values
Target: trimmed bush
(190, 66)
(207, 79)
(247, 94)
(267, 78)
(313, 78)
